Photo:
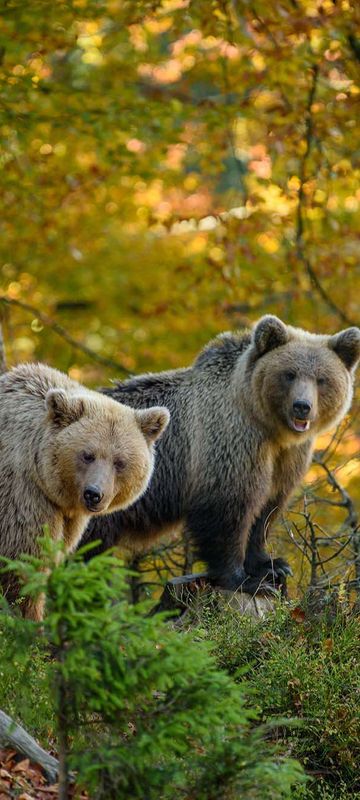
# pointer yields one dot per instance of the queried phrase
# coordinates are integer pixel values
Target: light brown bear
(244, 420)
(66, 453)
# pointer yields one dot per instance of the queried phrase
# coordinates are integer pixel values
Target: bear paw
(250, 584)
(273, 569)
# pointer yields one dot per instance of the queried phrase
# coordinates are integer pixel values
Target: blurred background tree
(174, 168)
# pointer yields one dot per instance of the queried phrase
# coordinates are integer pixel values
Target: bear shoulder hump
(150, 386)
(224, 349)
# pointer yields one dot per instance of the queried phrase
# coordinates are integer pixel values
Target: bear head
(99, 454)
(301, 383)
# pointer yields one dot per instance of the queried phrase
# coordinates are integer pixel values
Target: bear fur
(244, 419)
(66, 453)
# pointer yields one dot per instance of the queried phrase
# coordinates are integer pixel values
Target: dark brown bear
(244, 419)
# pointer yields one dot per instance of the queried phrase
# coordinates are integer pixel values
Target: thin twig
(292, 537)
(346, 501)
(352, 519)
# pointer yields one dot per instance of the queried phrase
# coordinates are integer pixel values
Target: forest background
(174, 169)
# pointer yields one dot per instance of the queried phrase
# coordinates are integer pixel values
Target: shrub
(303, 668)
(24, 680)
(320, 790)
(141, 710)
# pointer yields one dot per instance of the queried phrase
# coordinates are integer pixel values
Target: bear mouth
(94, 509)
(300, 425)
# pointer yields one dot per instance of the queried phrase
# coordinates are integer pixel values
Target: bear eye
(321, 381)
(119, 464)
(87, 457)
(290, 376)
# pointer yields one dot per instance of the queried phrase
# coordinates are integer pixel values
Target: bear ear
(152, 422)
(346, 345)
(63, 408)
(269, 333)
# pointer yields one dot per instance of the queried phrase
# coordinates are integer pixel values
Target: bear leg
(34, 608)
(220, 536)
(258, 563)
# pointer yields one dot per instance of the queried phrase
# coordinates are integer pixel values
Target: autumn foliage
(171, 169)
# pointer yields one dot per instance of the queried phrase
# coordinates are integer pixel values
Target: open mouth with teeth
(300, 425)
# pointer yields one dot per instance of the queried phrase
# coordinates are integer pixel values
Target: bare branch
(61, 331)
(299, 547)
(299, 238)
(352, 519)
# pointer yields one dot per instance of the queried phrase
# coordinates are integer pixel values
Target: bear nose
(301, 408)
(92, 496)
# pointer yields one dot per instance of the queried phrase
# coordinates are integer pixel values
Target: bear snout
(300, 416)
(92, 496)
(301, 409)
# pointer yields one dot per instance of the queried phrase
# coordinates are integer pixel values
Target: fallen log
(188, 592)
(14, 736)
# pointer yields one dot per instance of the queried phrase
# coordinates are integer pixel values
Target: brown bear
(244, 419)
(66, 453)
